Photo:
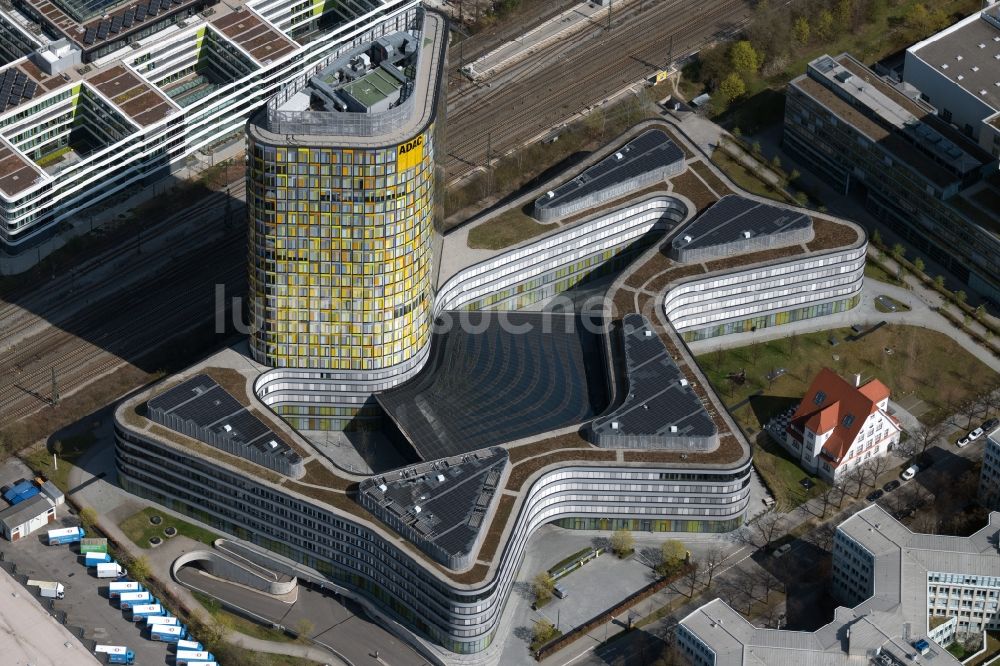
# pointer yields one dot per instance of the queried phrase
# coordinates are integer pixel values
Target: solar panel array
(650, 150)
(484, 388)
(199, 407)
(440, 506)
(727, 220)
(123, 21)
(661, 405)
(15, 87)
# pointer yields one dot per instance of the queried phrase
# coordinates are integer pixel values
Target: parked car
(963, 442)
(990, 425)
(976, 434)
(892, 485)
(782, 550)
(874, 495)
(910, 472)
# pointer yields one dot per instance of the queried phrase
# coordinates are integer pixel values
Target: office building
(102, 98)
(341, 205)
(989, 476)
(929, 183)
(957, 71)
(908, 596)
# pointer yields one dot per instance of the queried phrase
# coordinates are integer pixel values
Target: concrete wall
(228, 568)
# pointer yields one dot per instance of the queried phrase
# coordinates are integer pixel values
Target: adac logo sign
(410, 153)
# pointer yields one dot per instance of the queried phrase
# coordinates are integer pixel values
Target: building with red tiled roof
(840, 425)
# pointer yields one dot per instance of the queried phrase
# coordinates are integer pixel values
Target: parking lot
(86, 604)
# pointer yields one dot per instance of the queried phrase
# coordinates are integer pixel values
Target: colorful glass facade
(341, 253)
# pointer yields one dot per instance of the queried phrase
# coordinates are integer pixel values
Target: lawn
(783, 474)
(72, 448)
(744, 177)
(506, 229)
(884, 303)
(876, 272)
(139, 530)
(926, 371)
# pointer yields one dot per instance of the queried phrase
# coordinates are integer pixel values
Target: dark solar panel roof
(15, 87)
(485, 388)
(650, 150)
(201, 408)
(660, 401)
(444, 502)
(731, 216)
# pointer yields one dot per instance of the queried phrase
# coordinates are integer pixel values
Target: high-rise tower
(342, 201)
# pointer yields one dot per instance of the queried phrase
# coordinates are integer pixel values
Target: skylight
(820, 398)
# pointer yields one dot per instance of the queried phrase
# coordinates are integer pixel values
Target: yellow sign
(662, 76)
(410, 154)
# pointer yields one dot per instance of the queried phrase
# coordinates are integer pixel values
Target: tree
(939, 281)
(876, 466)
(776, 162)
(960, 296)
(672, 556)
(767, 527)
(918, 263)
(210, 633)
(732, 87)
(56, 447)
(969, 409)
(801, 30)
(543, 586)
(856, 477)
(898, 251)
(139, 568)
(763, 578)
(543, 632)
(691, 576)
(744, 58)
(828, 497)
(305, 627)
(622, 542)
(845, 12)
(711, 562)
(876, 238)
(825, 25)
(924, 436)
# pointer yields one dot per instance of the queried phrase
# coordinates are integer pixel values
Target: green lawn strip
(875, 271)
(783, 475)
(139, 530)
(744, 177)
(506, 229)
(575, 557)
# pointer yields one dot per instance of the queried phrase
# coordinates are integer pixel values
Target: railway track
(84, 342)
(120, 328)
(531, 98)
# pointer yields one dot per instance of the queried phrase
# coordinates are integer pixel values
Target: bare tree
(711, 562)
(969, 409)
(691, 576)
(765, 580)
(828, 497)
(840, 483)
(767, 527)
(822, 536)
(875, 466)
(855, 478)
(922, 438)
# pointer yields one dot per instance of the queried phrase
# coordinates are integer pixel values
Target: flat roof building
(112, 96)
(957, 71)
(921, 177)
(903, 588)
